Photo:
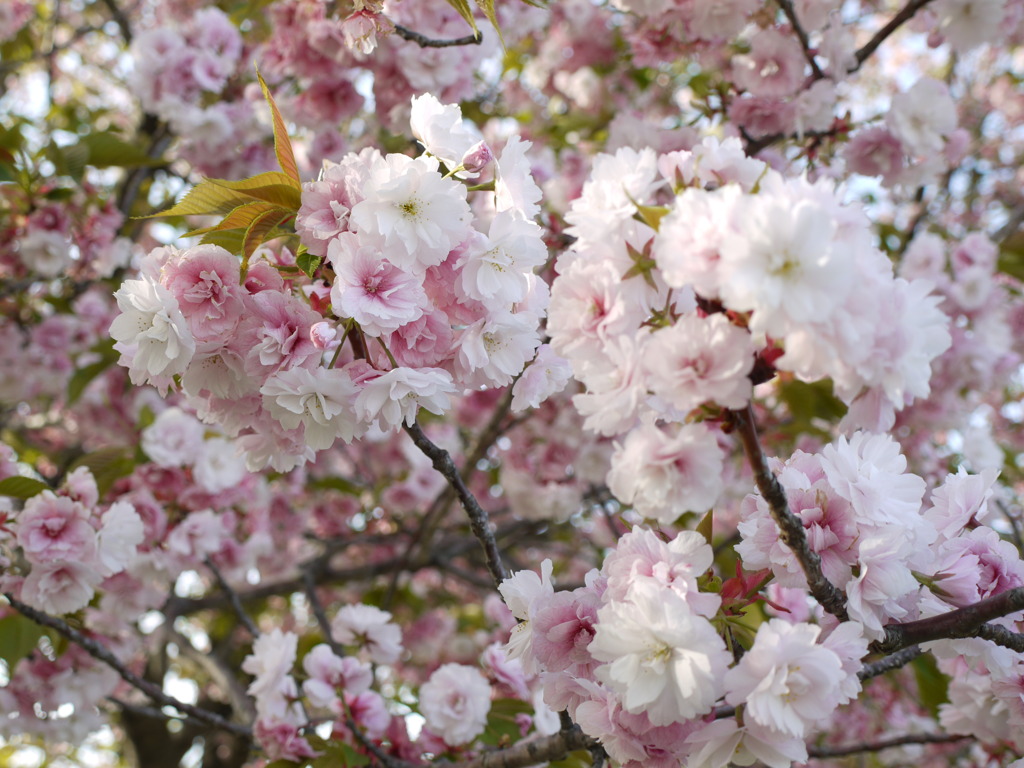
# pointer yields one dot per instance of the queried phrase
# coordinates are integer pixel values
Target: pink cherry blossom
(455, 702)
(376, 294)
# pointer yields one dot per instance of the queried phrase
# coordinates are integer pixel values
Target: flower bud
(477, 157)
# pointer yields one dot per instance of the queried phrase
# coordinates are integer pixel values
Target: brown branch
(865, 51)
(1000, 635)
(320, 613)
(889, 663)
(791, 528)
(428, 42)
(478, 519)
(495, 427)
(534, 752)
(120, 19)
(220, 673)
(801, 33)
(878, 746)
(969, 621)
(102, 653)
(236, 603)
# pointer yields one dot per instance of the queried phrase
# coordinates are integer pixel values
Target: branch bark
(428, 42)
(889, 663)
(878, 746)
(102, 653)
(801, 33)
(791, 528)
(478, 518)
(904, 15)
(970, 621)
(533, 752)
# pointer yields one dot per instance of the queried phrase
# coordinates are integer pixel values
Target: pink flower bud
(477, 157)
(323, 335)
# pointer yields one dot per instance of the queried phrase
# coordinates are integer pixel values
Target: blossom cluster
(432, 296)
(900, 558)
(660, 317)
(454, 701)
(70, 544)
(865, 517)
(637, 659)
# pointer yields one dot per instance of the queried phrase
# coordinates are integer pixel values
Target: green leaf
(239, 218)
(501, 721)
(339, 755)
(229, 240)
(18, 638)
(335, 484)
(108, 465)
(705, 526)
(258, 231)
(205, 198)
(810, 403)
(263, 188)
(84, 376)
(69, 160)
(309, 263)
(487, 6)
(1011, 256)
(932, 685)
(578, 759)
(108, 150)
(466, 12)
(282, 144)
(652, 214)
(19, 487)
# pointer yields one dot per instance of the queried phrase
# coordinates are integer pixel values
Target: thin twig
(1000, 635)
(101, 653)
(428, 42)
(881, 35)
(319, 612)
(791, 528)
(534, 752)
(878, 746)
(219, 672)
(969, 621)
(236, 603)
(495, 427)
(893, 661)
(388, 761)
(321, 571)
(153, 712)
(801, 33)
(478, 519)
(121, 19)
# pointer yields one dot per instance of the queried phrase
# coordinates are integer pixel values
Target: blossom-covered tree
(418, 382)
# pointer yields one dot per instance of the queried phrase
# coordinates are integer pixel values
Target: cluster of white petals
(427, 298)
(695, 275)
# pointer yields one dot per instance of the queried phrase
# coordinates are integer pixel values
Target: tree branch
(427, 42)
(320, 613)
(236, 603)
(878, 746)
(214, 665)
(801, 33)
(889, 663)
(534, 752)
(478, 519)
(791, 528)
(908, 11)
(969, 621)
(444, 499)
(101, 653)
